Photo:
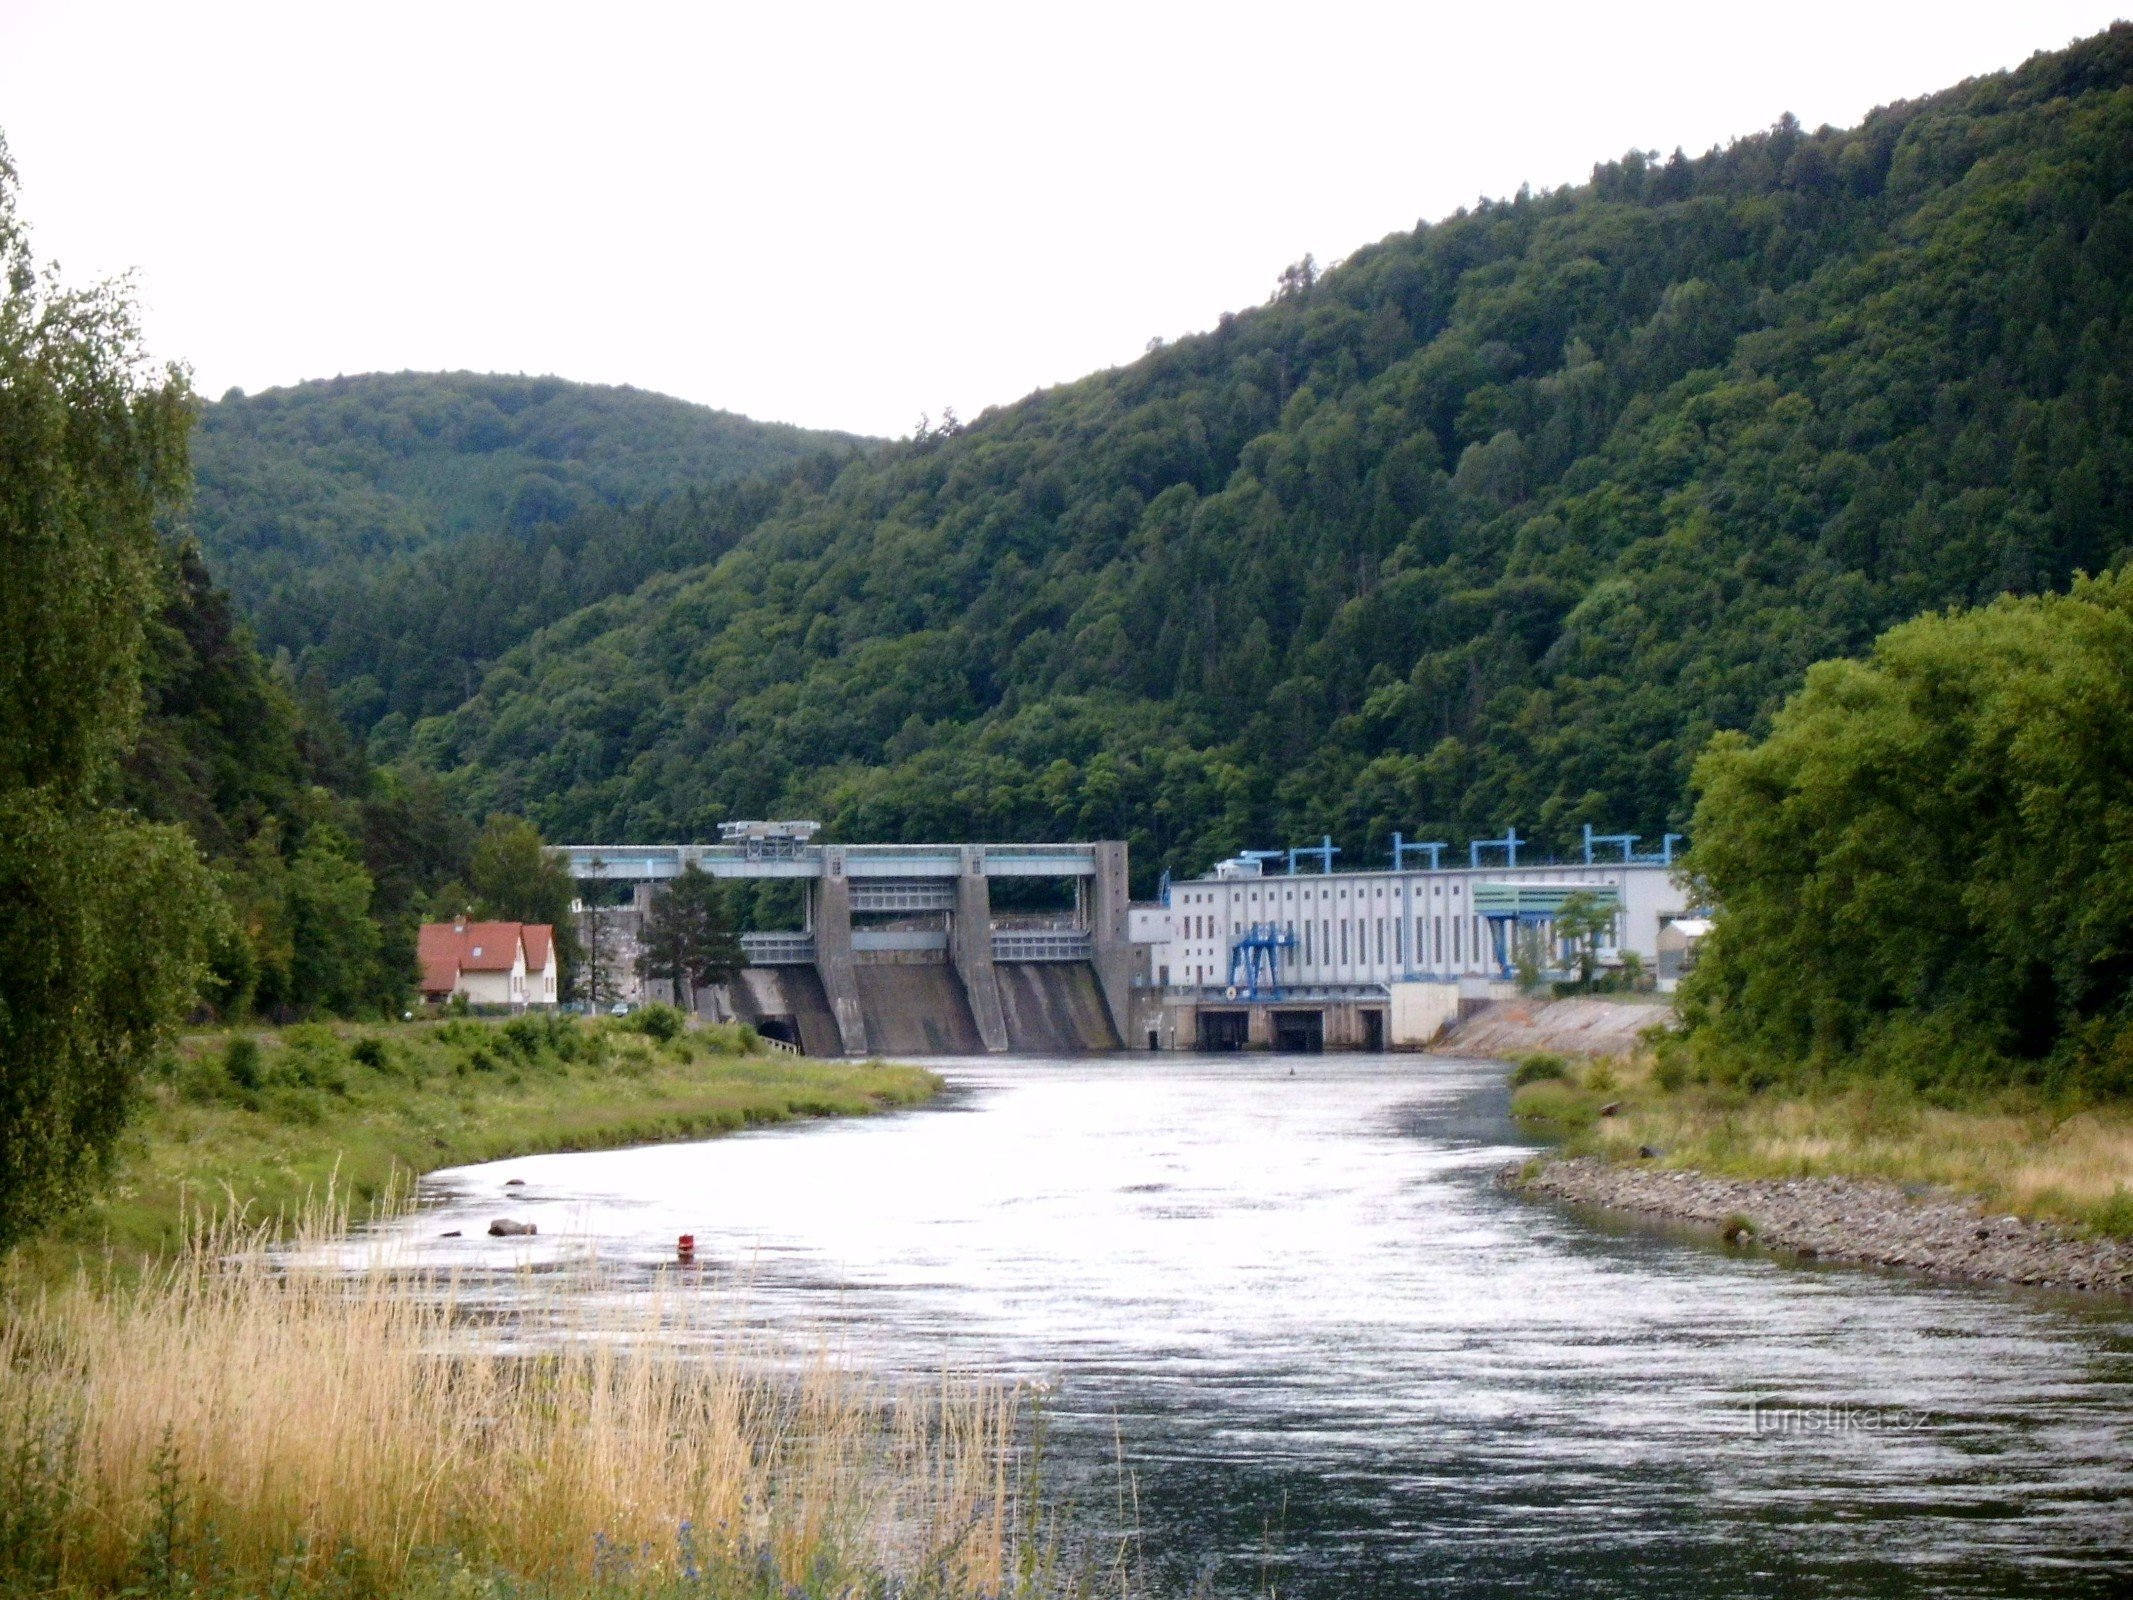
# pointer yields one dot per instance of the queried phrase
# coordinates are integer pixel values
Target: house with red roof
(507, 964)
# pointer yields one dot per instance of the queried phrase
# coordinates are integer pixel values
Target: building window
(1457, 958)
(1344, 941)
(1307, 944)
(1381, 941)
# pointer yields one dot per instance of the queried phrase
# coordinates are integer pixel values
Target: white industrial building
(1389, 952)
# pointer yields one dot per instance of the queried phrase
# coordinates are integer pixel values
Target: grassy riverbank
(2016, 1153)
(261, 1121)
(228, 1426)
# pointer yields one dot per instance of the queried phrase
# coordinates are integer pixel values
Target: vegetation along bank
(2015, 1188)
(261, 1122)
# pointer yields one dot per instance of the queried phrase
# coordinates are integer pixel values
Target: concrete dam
(900, 951)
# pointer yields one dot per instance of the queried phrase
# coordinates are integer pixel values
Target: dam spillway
(900, 952)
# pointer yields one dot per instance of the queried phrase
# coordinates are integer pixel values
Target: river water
(1341, 1363)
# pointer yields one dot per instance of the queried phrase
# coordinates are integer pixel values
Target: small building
(511, 965)
(1680, 940)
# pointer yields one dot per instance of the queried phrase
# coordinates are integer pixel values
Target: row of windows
(1345, 941)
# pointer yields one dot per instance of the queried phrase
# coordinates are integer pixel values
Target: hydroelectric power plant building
(900, 952)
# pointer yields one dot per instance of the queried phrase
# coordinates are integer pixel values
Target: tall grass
(248, 1425)
(2016, 1152)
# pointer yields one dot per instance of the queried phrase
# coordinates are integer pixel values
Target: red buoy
(685, 1249)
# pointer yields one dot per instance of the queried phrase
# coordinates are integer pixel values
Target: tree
(514, 879)
(1927, 867)
(1580, 921)
(593, 975)
(689, 935)
(335, 943)
(104, 919)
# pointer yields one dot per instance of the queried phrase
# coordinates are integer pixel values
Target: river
(1342, 1363)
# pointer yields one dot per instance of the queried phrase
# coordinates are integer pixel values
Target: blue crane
(1259, 946)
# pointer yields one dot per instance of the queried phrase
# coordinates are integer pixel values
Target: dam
(899, 950)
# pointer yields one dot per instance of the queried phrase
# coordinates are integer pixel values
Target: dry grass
(289, 1423)
(2025, 1158)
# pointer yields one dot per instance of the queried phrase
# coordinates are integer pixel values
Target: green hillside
(363, 523)
(1493, 523)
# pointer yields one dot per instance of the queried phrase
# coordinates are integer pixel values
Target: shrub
(1537, 1068)
(1600, 1077)
(371, 1052)
(661, 1022)
(2114, 1218)
(240, 1061)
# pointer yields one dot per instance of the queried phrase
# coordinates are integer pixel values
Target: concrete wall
(1421, 1011)
(1054, 1008)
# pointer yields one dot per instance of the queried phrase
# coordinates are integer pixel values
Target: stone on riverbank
(511, 1228)
(1846, 1219)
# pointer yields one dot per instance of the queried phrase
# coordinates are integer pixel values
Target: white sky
(844, 216)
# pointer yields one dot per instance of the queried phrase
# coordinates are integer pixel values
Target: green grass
(263, 1120)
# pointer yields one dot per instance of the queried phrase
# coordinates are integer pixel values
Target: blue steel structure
(1508, 844)
(1400, 848)
(1325, 850)
(1259, 946)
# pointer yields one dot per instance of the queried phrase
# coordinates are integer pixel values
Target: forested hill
(398, 531)
(1492, 524)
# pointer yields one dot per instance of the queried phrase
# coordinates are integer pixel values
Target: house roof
(446, 949)
(540, 939)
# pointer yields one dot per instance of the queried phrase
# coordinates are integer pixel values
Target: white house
(506, 964)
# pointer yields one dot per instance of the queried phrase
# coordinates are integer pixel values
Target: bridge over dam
(899, 950)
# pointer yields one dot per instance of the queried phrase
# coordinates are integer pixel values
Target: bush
(240, 1061)
(371, 1052)
(656, 1021)
(2114, 1218)
(1537, 1068)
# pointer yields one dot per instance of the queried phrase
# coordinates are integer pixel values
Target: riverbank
(1851, 1220)
(260, 1122)
(2013, 1191)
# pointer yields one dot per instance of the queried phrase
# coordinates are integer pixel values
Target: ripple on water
(1342, 1363)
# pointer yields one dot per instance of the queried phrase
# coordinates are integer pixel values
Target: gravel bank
(1847, 1219)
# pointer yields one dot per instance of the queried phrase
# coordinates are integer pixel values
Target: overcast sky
(844, 216)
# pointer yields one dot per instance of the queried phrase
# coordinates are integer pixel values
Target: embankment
(263, 1121)
(1592, 1026)
(2011, 1191)
(1854, 1220)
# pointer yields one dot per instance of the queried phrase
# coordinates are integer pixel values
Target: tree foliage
(399, 531)
(1926, 868)
(1496, 522)
(104, 919)
(689, 933)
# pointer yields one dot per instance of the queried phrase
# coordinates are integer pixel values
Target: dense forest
(395, 532)
(1496, 522)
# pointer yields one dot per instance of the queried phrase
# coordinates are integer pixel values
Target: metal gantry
(1258, 947)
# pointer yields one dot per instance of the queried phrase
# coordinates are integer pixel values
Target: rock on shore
(1846, 1219)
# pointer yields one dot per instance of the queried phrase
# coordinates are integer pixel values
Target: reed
(242, 1420)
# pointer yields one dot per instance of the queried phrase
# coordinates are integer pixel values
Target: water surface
(1343, 1364)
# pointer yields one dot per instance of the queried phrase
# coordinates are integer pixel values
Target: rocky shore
(1844, 1219)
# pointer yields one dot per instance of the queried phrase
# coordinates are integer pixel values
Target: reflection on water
(1343, 1364)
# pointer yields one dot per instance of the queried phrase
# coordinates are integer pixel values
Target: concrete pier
(970, 945)
(833, 950)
